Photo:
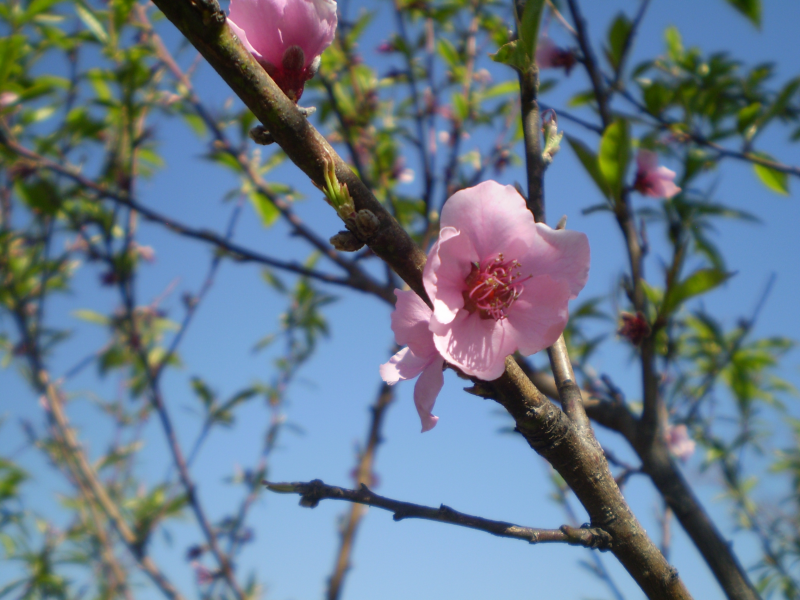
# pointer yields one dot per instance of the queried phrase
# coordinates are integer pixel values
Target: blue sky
(464, 462)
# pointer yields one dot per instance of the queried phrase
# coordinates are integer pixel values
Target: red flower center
(493, 288)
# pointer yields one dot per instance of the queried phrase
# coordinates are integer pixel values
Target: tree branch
(545, 427)
(364, 475)
(203, 24)
(237, 252)
(313, 491)
(590, 62)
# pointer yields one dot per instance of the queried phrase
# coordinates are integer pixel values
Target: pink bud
(286, 36)
(550, 56)
(680, 445)
(652, 180)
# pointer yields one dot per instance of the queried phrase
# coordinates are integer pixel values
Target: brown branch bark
(535, 167)
(203, 23)
(357, 280)
(669, 481)
(312, 492)
(578, 459)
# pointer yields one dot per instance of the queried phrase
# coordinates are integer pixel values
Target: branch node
(311, 493)
(261, 135)
(210, 12)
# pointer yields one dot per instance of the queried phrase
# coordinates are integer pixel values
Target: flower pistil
(492, 289)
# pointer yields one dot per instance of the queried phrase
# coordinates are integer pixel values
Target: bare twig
(313, 491)
(546, 429)
(590, 62)
(364, 475)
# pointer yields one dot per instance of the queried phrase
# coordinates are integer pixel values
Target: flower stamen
(491, 289)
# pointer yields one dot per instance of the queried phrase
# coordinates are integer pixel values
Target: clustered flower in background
(550, 56)
(287, 37)
(680, 445)
(652, 180)
(499, 283)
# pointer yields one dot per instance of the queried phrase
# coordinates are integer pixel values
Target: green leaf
(657, 97)
(618, 35)
(674, 43)
(502, 89)
(697, 283)
(589, 161)
(10, 47)
(747, 116)
(448, 52)
(780, 103)
(91, 316)
(512, 55)
(749, 8)
(775, 180)
(460, 107)
(264, 207)
(529, 27)
(92, 23)
(40, 195)
(581, 99)
(39, 6)
(615, 153)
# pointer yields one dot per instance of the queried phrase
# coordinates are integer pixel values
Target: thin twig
(590, 62)
(313, 491)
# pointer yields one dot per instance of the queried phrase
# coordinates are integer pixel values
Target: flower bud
(345, 241)
(634, 328)
(367, 223)
(285, 36)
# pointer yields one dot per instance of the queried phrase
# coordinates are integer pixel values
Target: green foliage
(699, 282)
(614, 156)
(430, 104)
(775, 180)
(749, 8)
(618, 38)
(590, 162)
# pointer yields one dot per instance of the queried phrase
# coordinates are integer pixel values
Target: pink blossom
(410, 321)
(679, 443)
(550, 56)
(146, 253)
(499, 282)
(652, 180)
(204, 575)
(286, 36)
(8, 98)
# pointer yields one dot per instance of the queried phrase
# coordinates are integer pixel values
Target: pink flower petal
(546, 53)
(562, 254)
(403, 365)
(477, 346)
(410, 324)
(492, 216)
(309, 24)
(646, 160)
(445, 285)
(426, 390)
(653, 180)
(666, 182)
(540, 314)
(256, 23)
(268, 27)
